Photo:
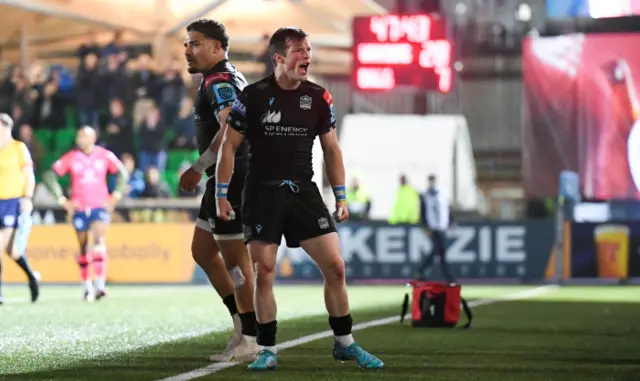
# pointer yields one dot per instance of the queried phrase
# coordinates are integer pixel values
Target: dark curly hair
(211, 29)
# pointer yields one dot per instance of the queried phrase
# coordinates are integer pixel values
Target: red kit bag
(436, 304)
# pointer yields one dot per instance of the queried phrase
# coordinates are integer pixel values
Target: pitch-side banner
(479, 250)
(137, 253)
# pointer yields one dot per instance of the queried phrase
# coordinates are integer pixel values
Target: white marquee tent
(31, 29)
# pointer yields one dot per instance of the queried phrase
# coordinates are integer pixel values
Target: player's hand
(190, 179)
(225, 211)
(342, 212)
(26, 205)
(70, 206)
(113, 201)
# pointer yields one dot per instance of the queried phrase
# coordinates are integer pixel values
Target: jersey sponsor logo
(272, 117)
(224, 92)
(216, 77)
(239, 107)
(305, 102)
(275, 130)
(270, 122)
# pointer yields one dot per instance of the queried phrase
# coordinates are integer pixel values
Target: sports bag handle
(467, 311)
(405, 308)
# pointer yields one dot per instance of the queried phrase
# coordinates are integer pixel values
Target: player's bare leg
(84, 259)
(238, 263)
(206, 254)
(98, 255)
(3, 238)
(7, 237)
(325, 251)
(263, 255)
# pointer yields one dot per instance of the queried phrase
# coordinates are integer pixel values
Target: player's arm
(122, 175)
(50, 178)
(221, 96)
(208, 157)
(331, 150)
(230, 143)
(233, 135)
(27, 169)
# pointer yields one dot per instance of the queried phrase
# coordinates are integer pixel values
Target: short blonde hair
(6, 121)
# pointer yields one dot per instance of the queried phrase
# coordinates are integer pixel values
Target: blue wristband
(221, 190)
(340, 192)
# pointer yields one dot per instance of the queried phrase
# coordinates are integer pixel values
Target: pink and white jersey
(88, 175)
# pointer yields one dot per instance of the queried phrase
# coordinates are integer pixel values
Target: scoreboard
(401, 51)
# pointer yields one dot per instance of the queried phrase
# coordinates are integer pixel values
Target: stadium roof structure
(53, 29)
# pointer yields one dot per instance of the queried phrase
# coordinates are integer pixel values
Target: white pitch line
(216, 367)
(75, 296)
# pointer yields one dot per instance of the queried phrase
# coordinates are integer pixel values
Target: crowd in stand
(140, 111)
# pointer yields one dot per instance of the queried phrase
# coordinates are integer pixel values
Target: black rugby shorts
(295, 211)
(207, 216)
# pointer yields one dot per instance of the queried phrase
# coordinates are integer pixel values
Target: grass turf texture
(148, 333)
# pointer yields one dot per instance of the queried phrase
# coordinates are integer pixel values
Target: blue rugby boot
(355, 353)
(266, 360)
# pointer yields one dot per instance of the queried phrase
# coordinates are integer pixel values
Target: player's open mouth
(304, 68)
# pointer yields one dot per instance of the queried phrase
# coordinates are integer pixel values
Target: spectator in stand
(87, 98)
(118, 135)
(116, 48)
(152, 144)
(91, 46)
(265, 57)
(135, 187)
(24, 98)
(25, 135)
(185, 126)
(144, 83)
(18, 116)
(154, 187)
(51, 104)
(116, 83)
(170, 92)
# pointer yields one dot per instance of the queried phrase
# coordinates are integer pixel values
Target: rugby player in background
(206, 49)
(17, 184)
(90, 204)
(281, 115)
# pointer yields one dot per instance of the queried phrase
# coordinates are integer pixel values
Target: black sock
(341, 326)
(267, 334)
(249, 323)
(24, 265)
(230, 302)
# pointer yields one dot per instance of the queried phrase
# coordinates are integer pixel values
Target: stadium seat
(172, 179)
(64, 139)
(175, 158)
(65, 181)
(45, 164)
(44, 136)
(71, 117)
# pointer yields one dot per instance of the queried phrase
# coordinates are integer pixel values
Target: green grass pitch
(151, 333)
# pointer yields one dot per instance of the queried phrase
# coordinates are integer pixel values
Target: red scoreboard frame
(401, 51)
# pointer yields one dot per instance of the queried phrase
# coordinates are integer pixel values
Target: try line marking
(216, 367)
